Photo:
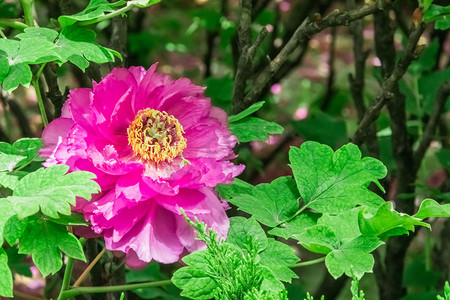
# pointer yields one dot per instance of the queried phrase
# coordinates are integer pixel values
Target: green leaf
(244, 231)
(38, 34)
(73, 220)
(195, 280)
(8, 180)
(270, 203)
(19, 154)
(319, 239)
(335, 182)
(254, 129)
(430, 208)
(344, 224)
(14, 229)
(425, 4)
(6, 280)
(44, 240)
(227, 191)
(6, 212)
(77, 45)
(19, 55)
(296, 226)
(436, 12)
(143, 3)
(52, 191)
(353, 257)
(443, 23)
(94, 10)
(278, 257)
(270, 282)
(387, 222)
(254, 108)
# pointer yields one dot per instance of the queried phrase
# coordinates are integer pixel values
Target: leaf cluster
(71, 43)
(35, 213)
(327, 207)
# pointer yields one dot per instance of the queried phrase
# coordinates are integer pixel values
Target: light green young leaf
(254, 129)
(387, 222)
(6, 279)
(353, 257)
(270, 203)
(335, 182)
(77, 45)
(278, 257)
(44, 240)
(242, 230)
(296, 226)
(19, 55)
(254, 108)
(195, 280)
(430, 208)
(52, 191)
(94, 10)
(19, 154)
(143, 3)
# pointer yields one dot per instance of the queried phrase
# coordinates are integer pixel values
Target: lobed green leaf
(52, 191)
(44, 240)
(335, 181)
(278, 257)
(270, 203)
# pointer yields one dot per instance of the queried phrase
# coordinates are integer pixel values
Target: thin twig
(88, 269)
(388, 87)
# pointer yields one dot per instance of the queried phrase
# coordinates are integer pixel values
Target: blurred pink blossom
(275, 89)
(301, 113)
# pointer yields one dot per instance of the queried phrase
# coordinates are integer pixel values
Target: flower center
(156, 136)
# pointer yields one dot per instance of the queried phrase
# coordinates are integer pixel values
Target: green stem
(308, 263)
(35, 83)
(27, 6)
(105, 289)
(67, 277)
(14, 23)
(108, 16)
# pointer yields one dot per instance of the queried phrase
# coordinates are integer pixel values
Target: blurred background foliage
(311, 99)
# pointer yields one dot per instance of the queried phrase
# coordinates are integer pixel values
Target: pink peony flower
(156, 145)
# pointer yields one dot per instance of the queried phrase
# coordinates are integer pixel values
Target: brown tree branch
(301, 35)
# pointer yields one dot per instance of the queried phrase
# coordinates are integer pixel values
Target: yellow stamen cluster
(156, 136)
